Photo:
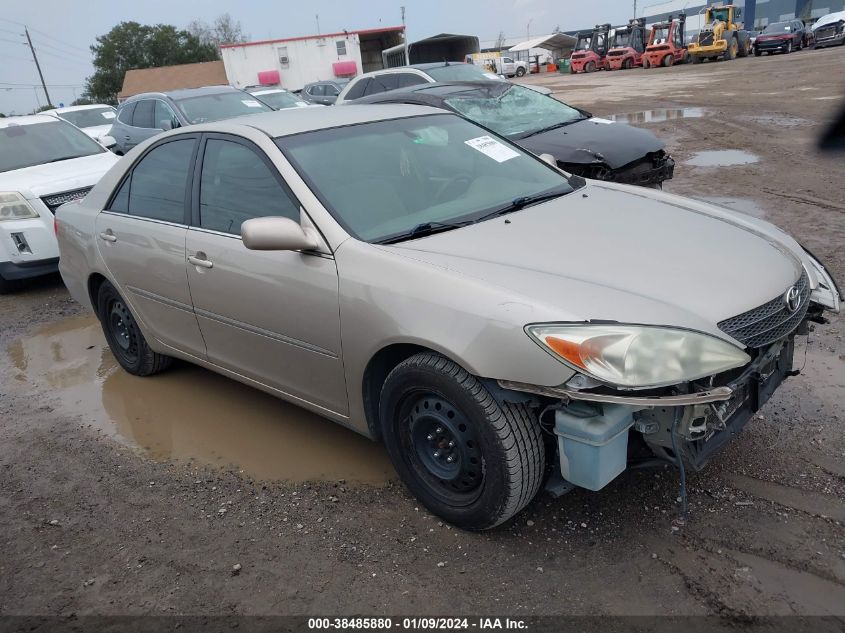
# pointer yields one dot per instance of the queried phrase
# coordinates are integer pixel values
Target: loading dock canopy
(553, 42)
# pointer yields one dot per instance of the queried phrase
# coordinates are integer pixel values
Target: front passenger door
(271, 316)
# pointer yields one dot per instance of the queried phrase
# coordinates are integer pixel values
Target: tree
(130, 45)
(225, 30)
(82, 101)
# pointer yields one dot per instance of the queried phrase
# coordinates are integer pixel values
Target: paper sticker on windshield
(595, 119)
(250, 103)
(108, 114)
(491, 147)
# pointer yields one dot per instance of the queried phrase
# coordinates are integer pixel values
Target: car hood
(65, 175)
(615, 253)
(97, 131)
(594, 140)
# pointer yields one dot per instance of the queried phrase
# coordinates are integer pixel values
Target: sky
(63, 31)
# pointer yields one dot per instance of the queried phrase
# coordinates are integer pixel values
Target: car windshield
(512, 110)
(279, 100)
(460, 72)
(220, 105)
(719, 15)
(90, 117)
(778, 27)
(38, 143)
(383, 179)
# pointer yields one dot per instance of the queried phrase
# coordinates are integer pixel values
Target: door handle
(108, 236)
(200, 260)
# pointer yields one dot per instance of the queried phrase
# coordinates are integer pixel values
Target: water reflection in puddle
(659, 115)
(722, 158)
(189, 413)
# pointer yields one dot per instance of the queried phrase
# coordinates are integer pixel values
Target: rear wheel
(124, 337)
(730, 52)
(467, 458)
(628, 63)
(685, 59)
(572, 70)
(667, 61)
(589, 67)
(696, 59)
(645, 62)
(520, 71)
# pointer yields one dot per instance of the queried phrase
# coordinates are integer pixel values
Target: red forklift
(627, 46)
(667, 43)
(590, 50)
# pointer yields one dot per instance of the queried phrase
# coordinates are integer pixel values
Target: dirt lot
(132, 496)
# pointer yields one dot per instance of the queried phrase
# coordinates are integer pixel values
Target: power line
(2, 39)
(65, 59)
(9, 83)
(65, 54)
(56, 39)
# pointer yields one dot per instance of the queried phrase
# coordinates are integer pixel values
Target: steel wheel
(123, 331)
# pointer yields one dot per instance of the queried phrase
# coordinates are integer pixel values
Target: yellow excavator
(721, 37)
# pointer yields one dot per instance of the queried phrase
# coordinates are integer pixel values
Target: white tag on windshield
(250, 103)
(595, 119)
(108, 114)
(491, 147)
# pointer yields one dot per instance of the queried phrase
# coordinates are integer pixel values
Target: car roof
(339, 82)
(184, 93)
(297, 120)
(27, 120)
(77, 108)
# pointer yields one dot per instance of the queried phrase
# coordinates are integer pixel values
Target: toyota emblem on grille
(792, 298)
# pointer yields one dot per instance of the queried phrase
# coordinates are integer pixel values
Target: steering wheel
(446, 186)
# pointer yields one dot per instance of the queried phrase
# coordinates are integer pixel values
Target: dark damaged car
(580, 143)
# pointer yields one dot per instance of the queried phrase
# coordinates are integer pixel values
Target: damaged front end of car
(649, 171)
(604, 421)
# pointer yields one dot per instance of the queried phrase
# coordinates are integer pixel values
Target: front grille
(705, 38)
(56, 200)
(770, 321)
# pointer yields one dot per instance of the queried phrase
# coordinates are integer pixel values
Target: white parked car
(44, 162)
(95, 120)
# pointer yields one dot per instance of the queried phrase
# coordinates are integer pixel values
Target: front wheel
(757, 52)
(124, 337)
(466, 457)
(788, 47)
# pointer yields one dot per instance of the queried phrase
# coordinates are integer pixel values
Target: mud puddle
(722, 158)
(743, 205)
(190, 414)
(659, 115)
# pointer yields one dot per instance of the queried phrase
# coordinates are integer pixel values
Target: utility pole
(528, 29)
(405, 35)
(318, 23)
(38, 66)
(635, 8)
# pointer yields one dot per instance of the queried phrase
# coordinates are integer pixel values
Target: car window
(461, 72)
(39, 143)
(512, 110)
(358, 89)
(384, 178)
(220, 105)
(143, 116)
(162, 114)
(410, 79)
(156, 187)
(124, 115)
(89, 117)
(382, 83)
(236, 185)
(317, 90)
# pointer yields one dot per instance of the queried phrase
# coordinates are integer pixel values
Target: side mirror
(276, 234)
(548, 158)
(166, 124)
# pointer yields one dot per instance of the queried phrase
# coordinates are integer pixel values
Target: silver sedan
(416, 278)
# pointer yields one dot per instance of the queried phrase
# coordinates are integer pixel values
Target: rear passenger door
(141, 238)
(271, 316)
(142, 126)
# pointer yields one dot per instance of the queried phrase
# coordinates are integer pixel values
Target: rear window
(460, 72)
(90, 117)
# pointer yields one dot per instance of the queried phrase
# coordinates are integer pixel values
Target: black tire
(757, 52)
(667, 61)
(590, 67)
(124, 337)
(788, 48)
(628, 64)
(696, 59)
(520, 71)
(731, 50)
(645, 63)
(468, 459)
(5, 286)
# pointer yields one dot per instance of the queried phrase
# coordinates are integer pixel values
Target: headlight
(13, 206)
(638, 356)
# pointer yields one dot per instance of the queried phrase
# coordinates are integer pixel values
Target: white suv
(44, 162)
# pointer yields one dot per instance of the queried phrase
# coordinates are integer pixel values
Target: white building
(295, 61)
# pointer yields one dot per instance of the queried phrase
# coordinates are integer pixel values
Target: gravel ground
(90, 525)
